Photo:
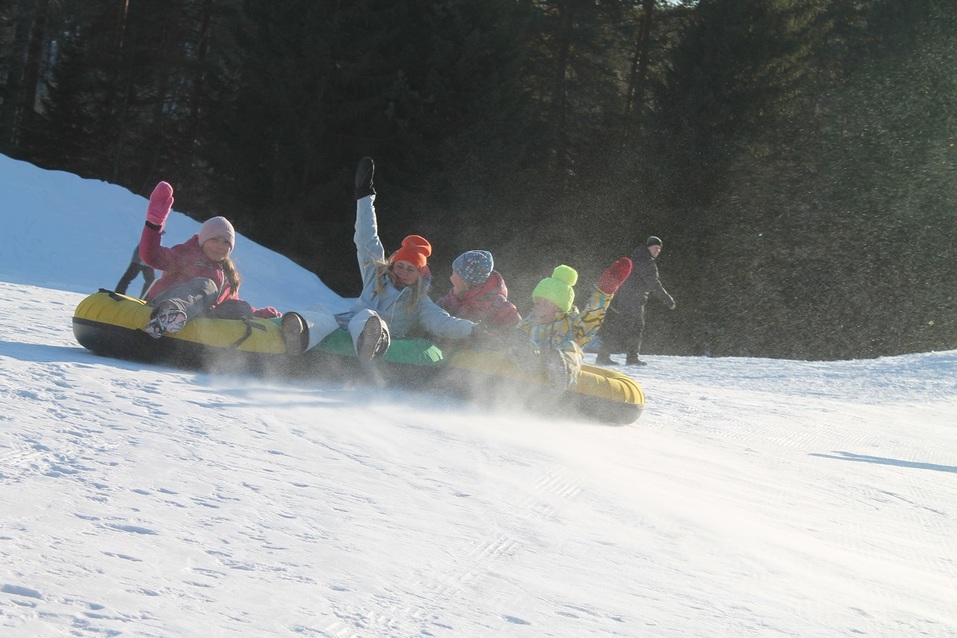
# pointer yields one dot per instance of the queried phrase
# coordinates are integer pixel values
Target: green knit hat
(558, 288)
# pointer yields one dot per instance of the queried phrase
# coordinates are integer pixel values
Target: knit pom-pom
(566, 274)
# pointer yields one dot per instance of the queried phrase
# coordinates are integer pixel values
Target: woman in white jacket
(394, 299)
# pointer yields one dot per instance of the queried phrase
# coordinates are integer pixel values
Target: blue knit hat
(473, 266)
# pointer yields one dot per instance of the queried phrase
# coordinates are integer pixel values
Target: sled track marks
(18, 461)
(490, 551)
(550, 490)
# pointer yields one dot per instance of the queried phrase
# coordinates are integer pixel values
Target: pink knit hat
(217, 227)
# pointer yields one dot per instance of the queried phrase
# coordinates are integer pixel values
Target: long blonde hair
(231, 275)
(384, 269)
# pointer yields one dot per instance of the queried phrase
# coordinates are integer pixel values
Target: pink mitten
(614, 276)
(266, 313)
(161, 202)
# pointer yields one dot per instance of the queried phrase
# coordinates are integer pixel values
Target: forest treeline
(796, 156)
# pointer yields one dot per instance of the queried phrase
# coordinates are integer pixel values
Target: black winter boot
(373, 341)
(604, 357)
(633, 360)
(364, 174)
(294, 333)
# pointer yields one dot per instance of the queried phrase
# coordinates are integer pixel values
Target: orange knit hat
(415, 250)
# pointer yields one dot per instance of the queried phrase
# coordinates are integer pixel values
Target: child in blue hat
(478, 292)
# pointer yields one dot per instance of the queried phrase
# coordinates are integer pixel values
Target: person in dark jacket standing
(135, 268)
(625, 321)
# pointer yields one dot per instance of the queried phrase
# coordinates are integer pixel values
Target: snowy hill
(752, 498)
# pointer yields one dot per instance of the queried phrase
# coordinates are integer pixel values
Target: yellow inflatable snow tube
(104, 315)
(596, 382)
(111, 324)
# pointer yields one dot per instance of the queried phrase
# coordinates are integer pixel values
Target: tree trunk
(20, 93)
(31, 74)
(563, 38)
(202, 50)
(639, 67)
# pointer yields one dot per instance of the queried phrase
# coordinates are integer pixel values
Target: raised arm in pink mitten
(161, 202)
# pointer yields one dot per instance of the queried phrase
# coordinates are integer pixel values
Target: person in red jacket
(478, 293)
(198, 275)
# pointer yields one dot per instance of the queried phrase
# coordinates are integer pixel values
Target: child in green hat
(549, 340)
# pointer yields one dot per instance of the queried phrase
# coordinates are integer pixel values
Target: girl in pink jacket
(198, 275)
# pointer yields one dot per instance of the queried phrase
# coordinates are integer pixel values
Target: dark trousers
(621, 332)
(135, 269)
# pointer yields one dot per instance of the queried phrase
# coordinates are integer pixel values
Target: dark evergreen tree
(123, 84)
(315, 86)
(24, 36)
(801, 247)
(789, 151)
(891, 152)
(63, 137)
(741, 68)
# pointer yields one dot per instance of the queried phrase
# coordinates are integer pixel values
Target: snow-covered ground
(753, 497)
